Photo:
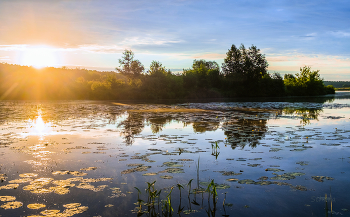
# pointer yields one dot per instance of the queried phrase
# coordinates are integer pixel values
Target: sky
(93, 34)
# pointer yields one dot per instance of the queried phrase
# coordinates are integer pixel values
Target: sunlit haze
(38, 56)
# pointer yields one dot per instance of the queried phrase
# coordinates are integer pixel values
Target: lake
(252, 157)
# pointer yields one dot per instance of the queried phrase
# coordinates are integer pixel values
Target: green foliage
(244, 69)
(271, 85)
(161, 83)
(203, 80)
(330, 89)
(156, 69)
(305, 83)
(130, 66)
(245, 64)
(244, 73)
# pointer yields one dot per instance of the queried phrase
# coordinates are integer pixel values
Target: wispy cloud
(340, 34)
(210, 56)
(310, 35)
(94, 48)
(148, 41)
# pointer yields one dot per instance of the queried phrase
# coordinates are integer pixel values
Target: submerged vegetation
(243, 73)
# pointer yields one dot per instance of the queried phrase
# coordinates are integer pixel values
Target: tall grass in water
(164, 207)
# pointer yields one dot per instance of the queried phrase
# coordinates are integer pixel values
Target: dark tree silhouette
(129, 65)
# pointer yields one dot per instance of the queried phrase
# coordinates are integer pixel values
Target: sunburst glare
(38, 127)
(39, 56)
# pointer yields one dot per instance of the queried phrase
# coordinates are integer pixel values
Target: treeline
(243, 73)
(338, 84)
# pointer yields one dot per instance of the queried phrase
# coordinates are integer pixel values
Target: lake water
(278, 157)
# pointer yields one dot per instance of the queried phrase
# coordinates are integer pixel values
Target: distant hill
(337, 84)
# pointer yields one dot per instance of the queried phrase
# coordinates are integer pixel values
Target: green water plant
(167, 209)
(139, 201)
(214, 150)
(189, 187)
(179, 187)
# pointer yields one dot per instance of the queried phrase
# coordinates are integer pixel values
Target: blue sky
(94, 33)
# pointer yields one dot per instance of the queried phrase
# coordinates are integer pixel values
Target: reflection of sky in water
(71, 146)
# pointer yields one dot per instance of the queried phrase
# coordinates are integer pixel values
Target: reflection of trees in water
(158, 122)
(240, 127)
(132, 126)
(135, 123)
(305, 114)
(201, 127)
(241, 132)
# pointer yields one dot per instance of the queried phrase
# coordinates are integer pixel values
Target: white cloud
(95, 48)
(340, 34)
(148, 41)
(210, 56)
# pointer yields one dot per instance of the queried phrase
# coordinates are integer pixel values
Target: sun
(39, 56)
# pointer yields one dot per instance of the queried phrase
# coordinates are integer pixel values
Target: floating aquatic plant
(36, 206)
(7, 198)
(11, 205)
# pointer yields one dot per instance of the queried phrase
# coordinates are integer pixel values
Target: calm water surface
(89, 158)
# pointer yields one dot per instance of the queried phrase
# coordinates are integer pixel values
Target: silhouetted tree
(244, 68)
(157, 69)
(129, 65)
(203, 76)
(245, 63)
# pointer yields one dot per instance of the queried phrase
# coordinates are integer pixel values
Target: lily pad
(12, 205)
(7, 198)
(109, 205)
(172, 164)
(166, 177)
(232, 180)
(88, 168)
(36, 206)
(52, 212)
(321, 178)
(230, 173)
(18, 181)
(71, 205)
(246, 181)
(149, 174)
(136, 169)
(9, 186)
(28, 175)
(274, 170)
(172, 170)
(287, 176)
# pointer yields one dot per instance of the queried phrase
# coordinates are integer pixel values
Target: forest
(243, 74)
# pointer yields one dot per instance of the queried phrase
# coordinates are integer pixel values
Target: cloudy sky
(93, 33)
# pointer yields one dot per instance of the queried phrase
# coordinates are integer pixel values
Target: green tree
(157, 69)
(243, 69)
(158, 84)
(246, 64)
(204, 74)
(128, 65)
(306, 82)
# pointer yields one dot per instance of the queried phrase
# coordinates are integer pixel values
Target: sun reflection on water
(37, 126)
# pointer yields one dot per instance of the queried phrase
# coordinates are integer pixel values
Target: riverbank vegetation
(243, 74)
